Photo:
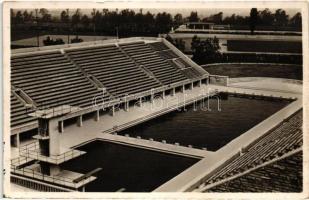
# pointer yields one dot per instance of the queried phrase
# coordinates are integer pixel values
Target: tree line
(131, 23)
(263, 18)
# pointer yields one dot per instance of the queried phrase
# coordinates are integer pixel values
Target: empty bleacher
(113, 68)
(178, 63)
(281, 176)
(284, 138)
(158, 46)
(167, 54)
(186, 69)
(142, 54)
(19, 112)
(50, 79)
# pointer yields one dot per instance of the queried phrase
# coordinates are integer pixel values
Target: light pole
(68, 26)
(37, 28)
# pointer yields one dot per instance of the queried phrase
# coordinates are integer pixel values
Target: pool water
(131, 168)
(208, 129)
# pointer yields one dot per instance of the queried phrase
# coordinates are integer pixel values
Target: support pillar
(60, 127)
(97, 115)
(152, 98)
(15, 140)
(163, 95)
(140, 102)
(199, 83)
(112, 112)
(80, 121)
(54, 170)
(191, 86)
(126, 106)
(183, 89)
(173, 92)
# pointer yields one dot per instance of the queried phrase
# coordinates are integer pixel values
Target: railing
(60, 180)
(20, 160)
(63, 109)
(38, 185)
(32, 151)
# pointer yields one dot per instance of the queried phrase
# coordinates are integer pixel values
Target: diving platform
(32, 151)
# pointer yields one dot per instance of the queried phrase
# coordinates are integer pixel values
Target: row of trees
(128, 21)
(100, 21)
(205, 51)
(264, 18)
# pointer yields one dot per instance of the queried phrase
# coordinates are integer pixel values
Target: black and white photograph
(131, 97)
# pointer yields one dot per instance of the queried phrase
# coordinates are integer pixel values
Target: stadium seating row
(287, 173)
(178, 63)
(115, 70)
(284, 138)
(57, 77)
(145, 56)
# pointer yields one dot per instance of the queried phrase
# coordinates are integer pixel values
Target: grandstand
(263, 161)
(74, 76)
(46, 80)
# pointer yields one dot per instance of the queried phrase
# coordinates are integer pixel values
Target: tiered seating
(281, 176)
(158, 46)
(147, 57)
(50, 80)
(187, 70)
(286, 137)
(19, 113)
(167, 54)
(163, 50)
(118, 73)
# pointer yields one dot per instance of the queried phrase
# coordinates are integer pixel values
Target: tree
(266, 17)
(205, 51)
(296, 20)
(64, 17)
(85, 21)
(216, 18)
(19, 17)
(178, 20)
(163, 22)
(46, 17)
(281, 18)
(28, 17)
(180, 44)
(193, 17)
(253, 19)
(76, 18)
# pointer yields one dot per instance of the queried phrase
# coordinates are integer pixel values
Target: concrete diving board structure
(41, 159)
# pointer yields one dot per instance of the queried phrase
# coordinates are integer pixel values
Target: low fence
(219, 80)
(37, 185)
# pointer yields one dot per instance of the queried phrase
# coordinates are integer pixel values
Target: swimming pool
(209, 129)
(125, 167)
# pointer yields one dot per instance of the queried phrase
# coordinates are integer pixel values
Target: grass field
(264, 46)
(256, 70)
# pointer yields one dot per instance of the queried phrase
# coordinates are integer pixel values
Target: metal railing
(32, 151)
(60, 180)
